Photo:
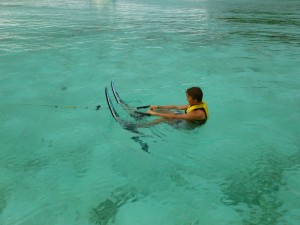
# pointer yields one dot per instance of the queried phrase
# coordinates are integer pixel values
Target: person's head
(194, 94)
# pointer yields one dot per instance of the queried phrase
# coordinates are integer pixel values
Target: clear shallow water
(78, 166)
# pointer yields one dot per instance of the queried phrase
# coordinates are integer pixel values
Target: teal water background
(60, 165)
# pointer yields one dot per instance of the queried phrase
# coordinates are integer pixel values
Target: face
(189, 99)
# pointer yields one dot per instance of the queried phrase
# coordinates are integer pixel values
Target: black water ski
(116, 94)
(126, 125)
(110, 106)
(132, 111)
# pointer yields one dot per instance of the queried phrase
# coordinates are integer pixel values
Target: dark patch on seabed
(133, 128)
(4, 192)
(258, 189)
(144, 145)
(107, 209)
(63, 88)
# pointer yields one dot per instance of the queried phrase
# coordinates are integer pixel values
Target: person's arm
(180, 107)
(194, 115)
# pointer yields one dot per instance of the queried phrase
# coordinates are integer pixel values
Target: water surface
(66, 165)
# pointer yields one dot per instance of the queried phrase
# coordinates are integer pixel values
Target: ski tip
(112, 84)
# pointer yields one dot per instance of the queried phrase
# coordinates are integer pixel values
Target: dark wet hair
(195, 93)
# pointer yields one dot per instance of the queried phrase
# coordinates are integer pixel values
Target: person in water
(195, 111)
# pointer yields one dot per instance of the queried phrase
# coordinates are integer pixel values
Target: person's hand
(153, 107)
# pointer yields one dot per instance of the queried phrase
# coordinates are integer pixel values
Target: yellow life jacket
(202, 105)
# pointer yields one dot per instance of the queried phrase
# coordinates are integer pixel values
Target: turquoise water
(60, 165)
